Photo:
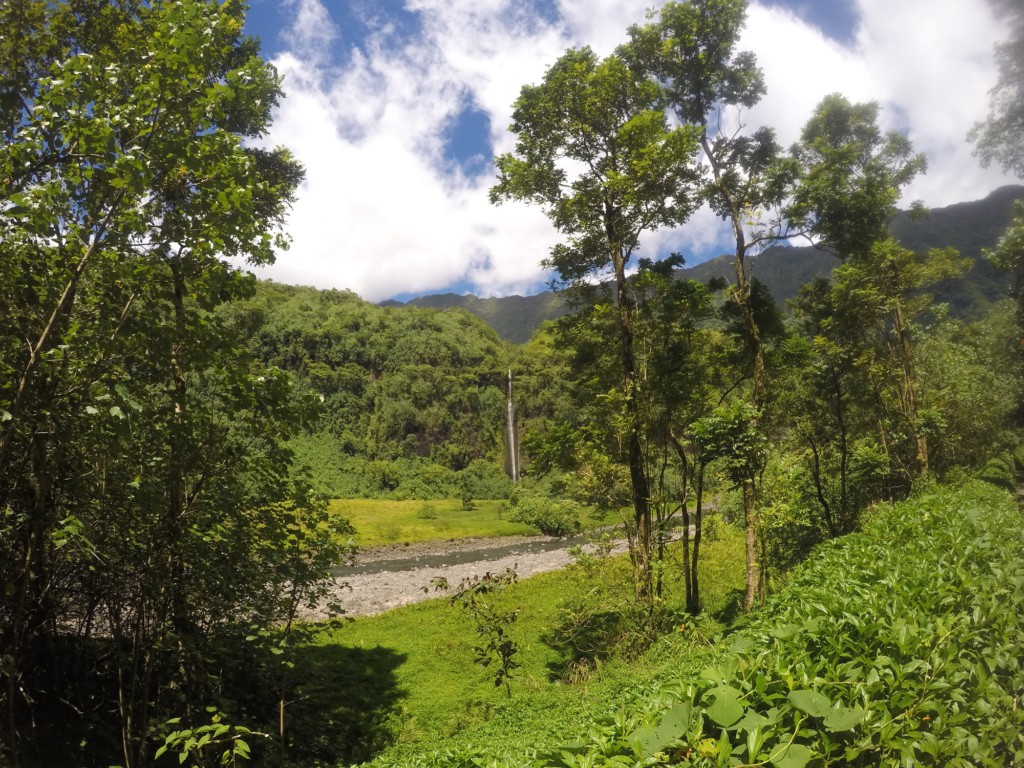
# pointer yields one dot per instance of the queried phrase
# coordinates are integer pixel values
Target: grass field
(383, 521)
(407, 678)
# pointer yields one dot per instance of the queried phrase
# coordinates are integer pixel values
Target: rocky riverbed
(399, 574)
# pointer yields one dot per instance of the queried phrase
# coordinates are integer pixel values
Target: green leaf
(755, 739)
(752, 720)
(813, 703)
(786, 631)
(672, 727)
(844, 719)
(678, 716)
(790, 756)
(727, 709)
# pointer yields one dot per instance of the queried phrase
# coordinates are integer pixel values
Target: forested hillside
(409, 397)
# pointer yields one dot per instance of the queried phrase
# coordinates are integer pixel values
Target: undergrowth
(896, 646)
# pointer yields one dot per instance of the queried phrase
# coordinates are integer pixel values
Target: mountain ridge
(970, 226)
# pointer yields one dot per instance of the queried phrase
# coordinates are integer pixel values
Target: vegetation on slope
(895, 646)
(403, 682)
(413, 400)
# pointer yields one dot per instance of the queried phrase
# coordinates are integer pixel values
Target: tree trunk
(741, 294)
(639, 484)
(694, 606)
(910, 400)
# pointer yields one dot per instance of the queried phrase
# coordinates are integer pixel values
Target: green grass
(405, 681)
(384, 521)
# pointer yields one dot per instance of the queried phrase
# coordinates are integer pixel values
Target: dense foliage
(895, 646)
(412, 400)
(169, 427)
(146, 509)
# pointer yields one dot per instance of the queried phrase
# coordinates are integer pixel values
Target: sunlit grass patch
(385, 521)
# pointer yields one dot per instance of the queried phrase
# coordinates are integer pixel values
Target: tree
(848, 192)
(679, 362)
(1000, 138)
(851, 177)
(595, 150)
(690, 49)
(1009, 255)
(145, 496)
(830, 398)
(682, 360)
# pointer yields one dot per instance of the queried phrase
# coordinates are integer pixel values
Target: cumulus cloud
(385, 211)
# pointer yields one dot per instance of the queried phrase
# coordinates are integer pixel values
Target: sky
(396, 109)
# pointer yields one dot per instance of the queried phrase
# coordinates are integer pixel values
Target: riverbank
(394, 575)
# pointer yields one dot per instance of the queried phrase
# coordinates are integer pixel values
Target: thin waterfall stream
(512, 446)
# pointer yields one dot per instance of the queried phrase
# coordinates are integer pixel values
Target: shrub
(426, 511)
(999, 471)
(552, 517)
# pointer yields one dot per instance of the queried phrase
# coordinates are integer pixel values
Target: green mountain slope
(410, 396)
(969, 227)
(513, 318)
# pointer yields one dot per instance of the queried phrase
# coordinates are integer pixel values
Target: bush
(552, 517)
(1000, 471)
(486, 480)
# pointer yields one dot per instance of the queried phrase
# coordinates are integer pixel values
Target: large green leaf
(790, 756)
(726, 709)
(813, 703)
(672, 728)
(844, 718)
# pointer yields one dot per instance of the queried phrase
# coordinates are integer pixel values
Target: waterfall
(511, 445)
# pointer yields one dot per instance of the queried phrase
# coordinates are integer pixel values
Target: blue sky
(396, 108)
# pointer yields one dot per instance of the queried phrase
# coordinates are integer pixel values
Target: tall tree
(852, 178)
(1000, 137)
(141, 476)
(691, 50)
(595, 150)
(683, 368)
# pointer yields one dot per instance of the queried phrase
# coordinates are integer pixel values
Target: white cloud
(313, 30)
(933, 65)
(383, 212)
(928, 63)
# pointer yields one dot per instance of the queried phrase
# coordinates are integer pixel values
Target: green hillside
(409, 396)
(895, 646)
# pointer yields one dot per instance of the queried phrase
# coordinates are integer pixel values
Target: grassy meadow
(385, 521)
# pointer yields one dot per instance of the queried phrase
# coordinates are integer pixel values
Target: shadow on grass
(344, 706)
(731, 608)
(583, 641)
